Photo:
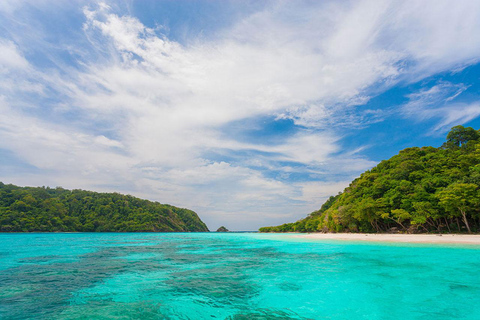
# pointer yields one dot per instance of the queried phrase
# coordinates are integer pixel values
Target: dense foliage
(46, 209)
(419, 190)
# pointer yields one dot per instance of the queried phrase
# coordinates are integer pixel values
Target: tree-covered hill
(45, 209)
(419, 190)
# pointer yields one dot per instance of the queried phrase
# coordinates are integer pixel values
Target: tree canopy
(460, 135)
(47, 209)
(419, 190)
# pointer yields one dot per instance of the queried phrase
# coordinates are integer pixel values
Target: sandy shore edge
(408, 238)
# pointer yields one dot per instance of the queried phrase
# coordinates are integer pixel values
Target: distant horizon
(249, 113)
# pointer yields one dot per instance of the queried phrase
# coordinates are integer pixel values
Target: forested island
(44, 209)
(419, 190)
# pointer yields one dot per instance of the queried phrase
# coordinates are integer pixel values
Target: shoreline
(400, 238)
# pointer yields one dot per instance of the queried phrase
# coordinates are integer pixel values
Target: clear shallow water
(232, 276)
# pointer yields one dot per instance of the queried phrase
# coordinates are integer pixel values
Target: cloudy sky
(251, 113)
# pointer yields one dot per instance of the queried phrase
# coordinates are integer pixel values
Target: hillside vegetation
(45, 209)
(419, 190)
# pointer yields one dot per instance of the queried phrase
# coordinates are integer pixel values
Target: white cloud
(149, 111)
(10, 57)
(454, 114)
(437, 103)
(51, 147)
(438, 34)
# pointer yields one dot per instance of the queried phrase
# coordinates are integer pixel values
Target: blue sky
(251, 113)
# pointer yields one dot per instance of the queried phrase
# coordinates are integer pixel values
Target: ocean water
(232, 276)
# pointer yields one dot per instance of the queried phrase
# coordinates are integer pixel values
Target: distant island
(222, 229)
(420, 190)
(44, 209)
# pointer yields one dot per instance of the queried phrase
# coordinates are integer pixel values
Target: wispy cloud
(454, 114)
(11, 59)
(437, 102)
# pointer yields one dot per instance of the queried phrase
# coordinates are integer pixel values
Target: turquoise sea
(232, 276)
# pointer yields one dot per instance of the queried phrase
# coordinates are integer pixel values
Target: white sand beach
(412, 238)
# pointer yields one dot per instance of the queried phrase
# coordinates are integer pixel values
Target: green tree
(400, 215)
(460, 199)
(46, 209)
(460, 135)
